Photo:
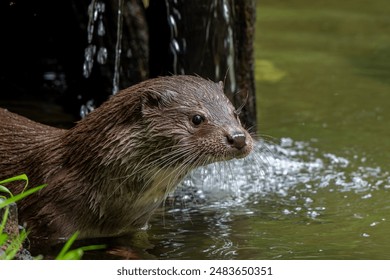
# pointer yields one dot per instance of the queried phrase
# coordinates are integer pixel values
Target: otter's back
(20, 138)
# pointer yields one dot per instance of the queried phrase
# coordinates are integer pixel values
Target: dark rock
(12, 229)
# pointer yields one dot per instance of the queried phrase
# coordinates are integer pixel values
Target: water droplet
(172, 23)
(175, 46)
(101, 30)
(87, 108)
(102, 55)
(95, 14)
(118, 49)
(89, 53)
(100, 7)
(286, 142)
(367, 196)
(87, 68)
(226, 11)
(313, 214)
(308, 200)
(49, 76)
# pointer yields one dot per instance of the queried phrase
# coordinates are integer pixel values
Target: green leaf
(67, 246)
(3, 238)
(5, 190)
(20, 196)
(75, 254)
(22, 177)
(15, 245)
(4, 219)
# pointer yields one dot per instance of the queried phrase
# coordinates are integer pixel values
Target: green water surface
(332, 59)
(333, 62)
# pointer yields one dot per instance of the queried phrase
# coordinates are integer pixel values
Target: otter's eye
(197, 119)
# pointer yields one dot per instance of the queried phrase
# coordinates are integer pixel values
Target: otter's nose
(237, 139)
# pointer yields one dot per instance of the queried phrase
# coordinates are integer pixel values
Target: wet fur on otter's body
(107, 174)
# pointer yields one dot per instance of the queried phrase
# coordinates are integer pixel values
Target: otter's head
(192, 122)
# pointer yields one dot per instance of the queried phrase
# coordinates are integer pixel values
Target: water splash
(291, 170)
(177, 45)
(87, 108)
(229, 45)
(102, 55)
(96, 10)
(118, 48)
(223, 42)
(89, 54)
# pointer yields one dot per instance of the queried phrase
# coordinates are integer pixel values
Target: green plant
(75, 254)
(12, 198)
(13, 246)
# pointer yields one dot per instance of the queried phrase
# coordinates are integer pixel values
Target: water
(206, 48)
(322, 189)
(118, 48)
(96, 49)
(220, 14)
(96, 10)
(286, 201)
(175, 48)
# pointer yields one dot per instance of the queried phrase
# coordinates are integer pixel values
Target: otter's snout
(237, 139)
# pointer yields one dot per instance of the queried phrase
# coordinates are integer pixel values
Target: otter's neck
(120, 185)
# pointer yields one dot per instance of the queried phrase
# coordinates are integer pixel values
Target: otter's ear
(158, 99)
(220, 84)
(151, 99)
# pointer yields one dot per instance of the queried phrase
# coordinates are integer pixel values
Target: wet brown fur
(107, 174)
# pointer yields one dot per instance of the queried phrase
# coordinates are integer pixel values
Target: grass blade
(20, 196)
(67, 246)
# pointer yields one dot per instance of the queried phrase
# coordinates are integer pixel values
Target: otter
(106, 175)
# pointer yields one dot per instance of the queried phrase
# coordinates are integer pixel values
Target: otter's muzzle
(237, 139)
